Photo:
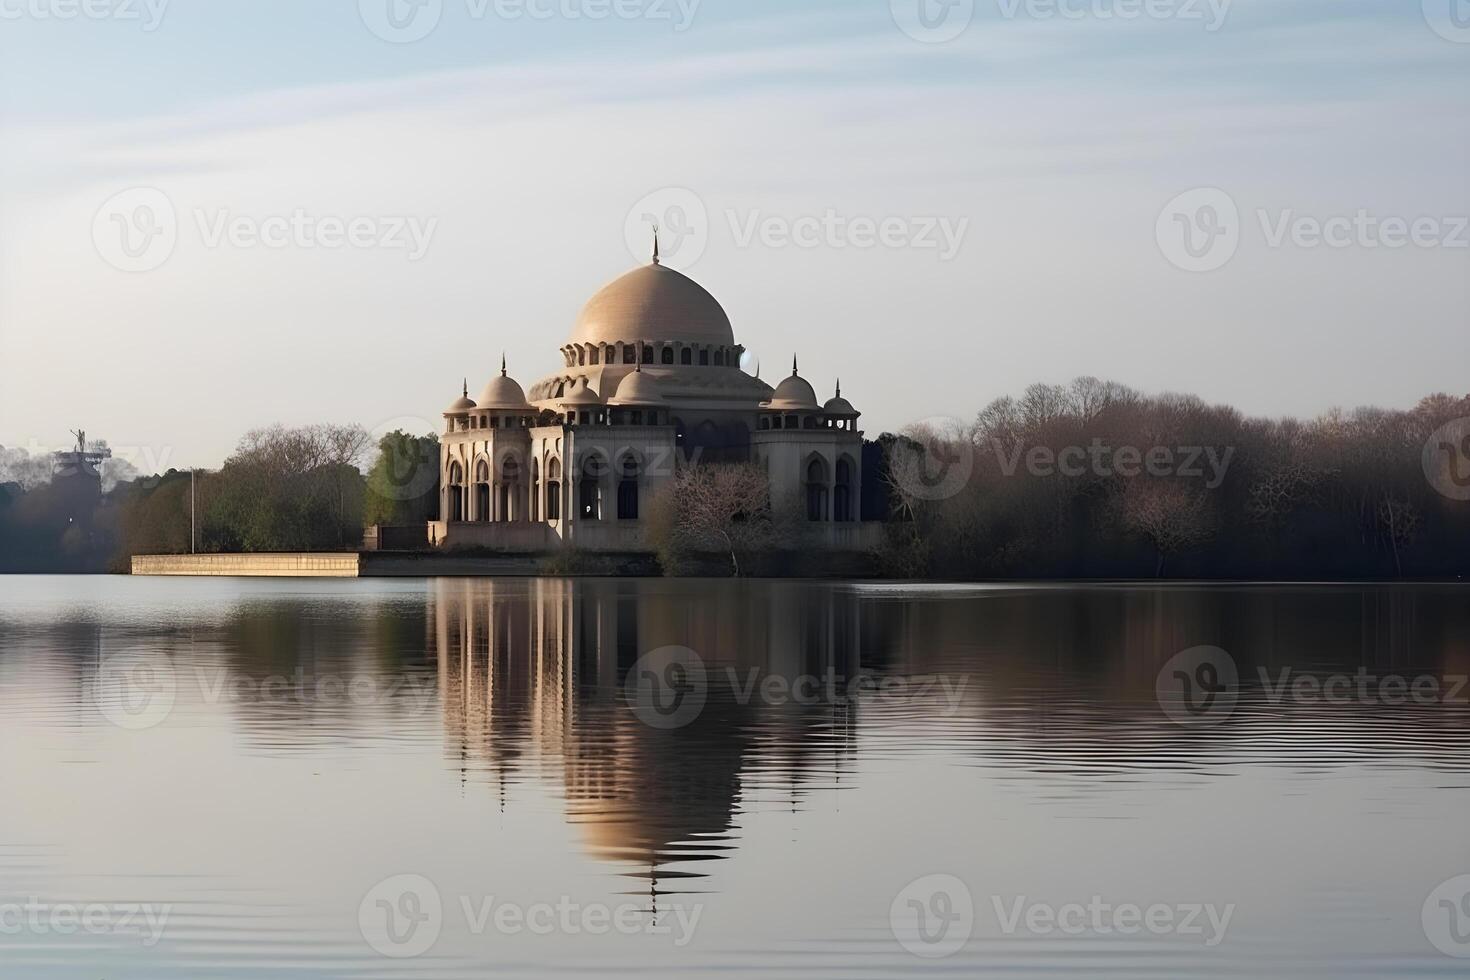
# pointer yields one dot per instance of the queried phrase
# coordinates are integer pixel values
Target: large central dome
(651, 304)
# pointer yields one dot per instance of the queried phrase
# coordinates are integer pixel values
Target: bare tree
(716, 507)
(1171, 516)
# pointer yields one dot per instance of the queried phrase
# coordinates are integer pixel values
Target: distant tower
(75, 476)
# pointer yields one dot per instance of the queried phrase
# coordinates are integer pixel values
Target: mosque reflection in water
(532, 675)
(1054, 685)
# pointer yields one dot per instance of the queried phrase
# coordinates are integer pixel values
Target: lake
(472, 777)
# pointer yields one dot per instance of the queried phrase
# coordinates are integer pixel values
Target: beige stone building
(650, 380)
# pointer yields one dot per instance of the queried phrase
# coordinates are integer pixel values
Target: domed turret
(580, 393)
(638, 389)
(838, 407)
(462, 404)
(503, 394)
(793, 394)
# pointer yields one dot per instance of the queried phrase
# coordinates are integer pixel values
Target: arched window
(628, 488)
(686, 356)
(842, 492)
(720, 357)
(703, 356)
(596, 355)
(510, 489)
(535, 494)
(667, 357)
(456, 492)
(589, 490)
(553, 490)
(482, 491)
(816, 491)
(629, 354)
(647, 353)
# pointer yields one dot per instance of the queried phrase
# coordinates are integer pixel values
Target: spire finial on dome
(638, 367)
(655, 243)
(839, 387)
(794, 372)
(502, 364)
(466, 388)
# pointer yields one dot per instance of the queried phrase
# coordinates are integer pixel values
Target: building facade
(650, 380)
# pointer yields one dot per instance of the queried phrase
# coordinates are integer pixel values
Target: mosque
(651, 380)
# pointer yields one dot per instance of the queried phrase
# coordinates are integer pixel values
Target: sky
(220, 214)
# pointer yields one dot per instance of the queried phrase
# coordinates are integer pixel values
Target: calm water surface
(464, 778)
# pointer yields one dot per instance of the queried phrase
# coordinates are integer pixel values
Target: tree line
(282, 489)
(1094, 479)
(1087, 480)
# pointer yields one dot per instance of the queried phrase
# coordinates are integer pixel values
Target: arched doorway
(482, 491)
(510, 490)
(454, 511)
(628, 473)
(589, 490)
(842, 491)
(553, 490)
(816, 490)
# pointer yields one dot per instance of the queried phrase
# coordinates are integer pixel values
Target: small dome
(839, 407)
(462, 404)
(793, 394)
(503, 394)
(580, 393)
(638, 389)
(653, 303)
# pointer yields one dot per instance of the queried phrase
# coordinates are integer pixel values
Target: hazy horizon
(1027, 168)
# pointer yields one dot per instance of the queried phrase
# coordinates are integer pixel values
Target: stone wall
(275, 565)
